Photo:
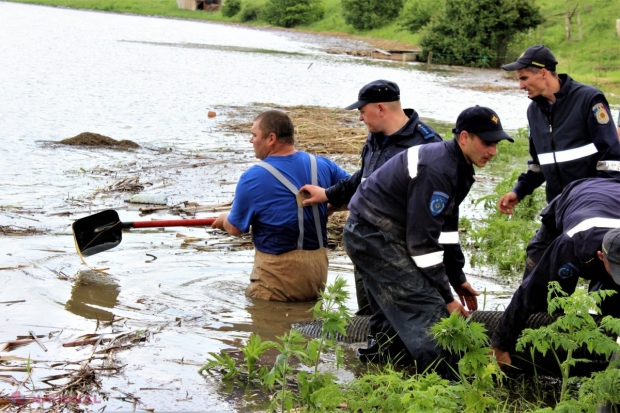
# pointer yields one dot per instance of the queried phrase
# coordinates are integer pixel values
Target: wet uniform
(377, 150)
(564, 249)
(402, 234)
(574, 138)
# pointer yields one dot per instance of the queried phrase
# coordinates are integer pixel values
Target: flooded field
(159, 302)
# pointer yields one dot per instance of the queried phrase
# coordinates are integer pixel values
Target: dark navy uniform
(564, 249)
(378, 149)
(402, 234)
(575, 138)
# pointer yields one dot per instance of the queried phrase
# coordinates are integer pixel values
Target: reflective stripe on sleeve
(449, 237)
(594, 223)
(546, 158)
(608, 165)
(428, 260)
(567, 155)
(412, 161)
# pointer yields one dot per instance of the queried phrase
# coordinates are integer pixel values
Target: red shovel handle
(170, 223)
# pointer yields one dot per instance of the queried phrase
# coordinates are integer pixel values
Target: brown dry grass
(320, 131)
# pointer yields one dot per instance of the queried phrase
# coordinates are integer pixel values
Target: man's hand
(317, 194)
(468, 295)
(507, 202)
(502, 357)
(222, 223)
(456, 306)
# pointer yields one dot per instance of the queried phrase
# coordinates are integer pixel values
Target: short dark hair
(278, 123)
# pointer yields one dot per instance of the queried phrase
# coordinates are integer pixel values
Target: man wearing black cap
(572, 135)
(402, 234)
(568, 247)
(391, 131)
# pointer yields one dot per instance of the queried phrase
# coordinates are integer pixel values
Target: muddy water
(152, 81)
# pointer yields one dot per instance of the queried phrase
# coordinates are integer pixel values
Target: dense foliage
(250, 11)
(476, 32)
(370, 14)
(418, 13)
(231, 8)
(289, 13)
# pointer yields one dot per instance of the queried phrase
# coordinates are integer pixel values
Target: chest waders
(300, 209)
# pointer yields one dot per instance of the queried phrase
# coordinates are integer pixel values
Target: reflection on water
(90, 291)
(271, 318)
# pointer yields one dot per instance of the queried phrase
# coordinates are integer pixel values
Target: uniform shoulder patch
(600, 113)
(439, 200)
(568, 271)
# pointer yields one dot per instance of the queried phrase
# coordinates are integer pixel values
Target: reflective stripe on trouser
(402, 300)
(297, 275)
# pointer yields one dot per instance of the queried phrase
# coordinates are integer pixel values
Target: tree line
(475, 33)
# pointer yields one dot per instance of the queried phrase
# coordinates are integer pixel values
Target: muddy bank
(129, 328)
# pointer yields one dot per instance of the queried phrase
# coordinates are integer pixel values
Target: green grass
(593, 60)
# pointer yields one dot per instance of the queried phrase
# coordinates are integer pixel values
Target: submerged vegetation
(302, 378)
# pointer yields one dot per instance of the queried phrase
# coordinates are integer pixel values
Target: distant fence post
(430, 58)
(567, 22)
(579, 24)
(618, 27)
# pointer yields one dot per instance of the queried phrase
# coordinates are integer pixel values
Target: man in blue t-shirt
(290, 262)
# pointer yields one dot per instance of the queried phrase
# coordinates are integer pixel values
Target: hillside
(591, 55)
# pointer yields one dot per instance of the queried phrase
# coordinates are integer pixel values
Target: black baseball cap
(611, 250)
(535, 56)
(375, 92)
(482, 122)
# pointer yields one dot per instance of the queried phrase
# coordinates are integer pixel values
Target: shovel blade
(97, 233)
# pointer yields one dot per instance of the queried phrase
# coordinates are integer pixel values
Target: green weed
(573, 330)
(314, 389)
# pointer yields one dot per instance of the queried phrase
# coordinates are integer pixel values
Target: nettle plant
(575, 329)
(478, 372)
(308, 387)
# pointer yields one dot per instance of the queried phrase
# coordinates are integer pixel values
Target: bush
(289, 13)
(231, 7)
(370, 14)
(250, 11)
(418, 13)
(477, 32)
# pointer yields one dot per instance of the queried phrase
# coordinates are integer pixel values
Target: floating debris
(321, 131)
(15, 230)
(100, 141)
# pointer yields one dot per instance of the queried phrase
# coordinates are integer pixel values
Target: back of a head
(611, 250)
(278, 123)
(378, 91)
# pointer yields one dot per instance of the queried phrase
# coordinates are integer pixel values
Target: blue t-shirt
(271, 209)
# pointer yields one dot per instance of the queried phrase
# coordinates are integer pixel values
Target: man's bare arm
(222, 223)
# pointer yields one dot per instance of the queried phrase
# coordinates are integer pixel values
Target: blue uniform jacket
(575, 138)
(414, 200)
(377, 150)
(573, 225)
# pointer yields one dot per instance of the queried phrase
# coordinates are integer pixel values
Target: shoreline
(612, 93)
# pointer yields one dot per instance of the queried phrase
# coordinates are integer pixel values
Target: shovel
(104, 230)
